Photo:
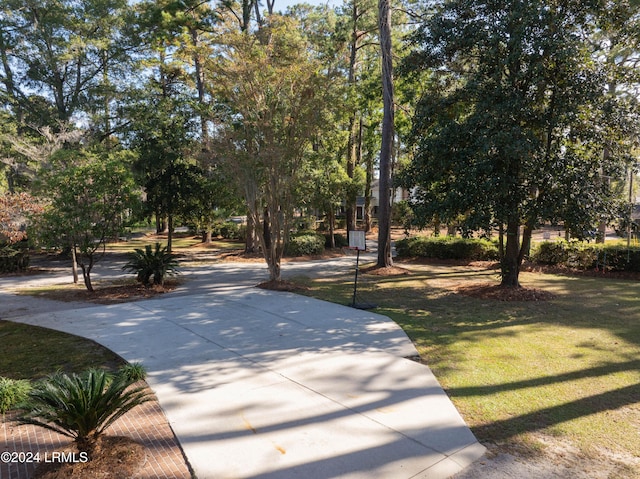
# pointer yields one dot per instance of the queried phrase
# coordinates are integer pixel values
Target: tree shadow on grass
(505, 429)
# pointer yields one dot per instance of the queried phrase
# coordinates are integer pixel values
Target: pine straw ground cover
(552, 367)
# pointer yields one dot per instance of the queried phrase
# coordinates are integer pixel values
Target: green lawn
(31, 352)
(568, 367)
(179, 242)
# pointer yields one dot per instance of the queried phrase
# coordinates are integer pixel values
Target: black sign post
(358, 242)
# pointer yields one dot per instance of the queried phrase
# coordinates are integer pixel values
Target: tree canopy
(90, 196)
(514, 120)
(519, 112)
(271, 92)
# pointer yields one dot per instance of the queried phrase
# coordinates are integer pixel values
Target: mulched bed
(122, 293)
(116, 457)
(503, 293)
(386, 271)
(282, 285)
(111, 294)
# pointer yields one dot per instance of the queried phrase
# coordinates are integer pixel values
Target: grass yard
(31, 352)
(520, 372)
(180, 241)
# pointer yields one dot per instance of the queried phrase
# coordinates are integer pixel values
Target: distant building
(399, 194)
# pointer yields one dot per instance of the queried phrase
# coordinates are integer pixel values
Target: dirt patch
(503, 293)
(240, 256)
(386, 271)
(116, 457)
(557, 459)
(328, 254)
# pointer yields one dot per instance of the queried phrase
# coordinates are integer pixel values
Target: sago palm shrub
(151, 262)
(81, 406)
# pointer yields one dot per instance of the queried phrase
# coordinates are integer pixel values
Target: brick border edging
(146, 424)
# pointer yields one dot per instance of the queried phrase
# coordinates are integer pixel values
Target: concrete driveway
(261, 384)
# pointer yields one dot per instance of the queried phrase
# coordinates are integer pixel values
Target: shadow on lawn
(544, 418)
(437, 319)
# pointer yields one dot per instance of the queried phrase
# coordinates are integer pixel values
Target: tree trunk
(74, 264)
(86, 274)
(270, 246)
(199, 74)
(501, 242)
(169, 233)
(87, 444)
(351, 200)
(206, 236)
(161, 223)
(368, 192)
(511, 260)
(331, 217)
(384, 209)
(525, 249)
(273, 263)
(266, 229)
(251, 241)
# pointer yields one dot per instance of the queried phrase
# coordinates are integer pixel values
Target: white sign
(357, 240)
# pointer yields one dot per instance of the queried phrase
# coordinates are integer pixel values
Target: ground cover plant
(525, 375)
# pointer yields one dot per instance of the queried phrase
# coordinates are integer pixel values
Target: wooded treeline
(501, 115)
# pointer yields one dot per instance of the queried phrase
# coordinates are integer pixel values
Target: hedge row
(572, 254)
(447, 248)
(580, 255)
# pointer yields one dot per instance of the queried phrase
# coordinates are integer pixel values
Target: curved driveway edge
(260, 384)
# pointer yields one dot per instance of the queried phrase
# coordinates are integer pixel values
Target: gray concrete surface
(260, 384)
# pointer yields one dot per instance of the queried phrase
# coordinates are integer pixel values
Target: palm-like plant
(157, 263)
(81, 406)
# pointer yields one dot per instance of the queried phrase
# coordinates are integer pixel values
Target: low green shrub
(340, 240)
(618, 258)
(229, 230)
(447, 248)
(13, 260)
(12, 393)
(305, 244)
(133, 372)
(573, 254)
(576, 254)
